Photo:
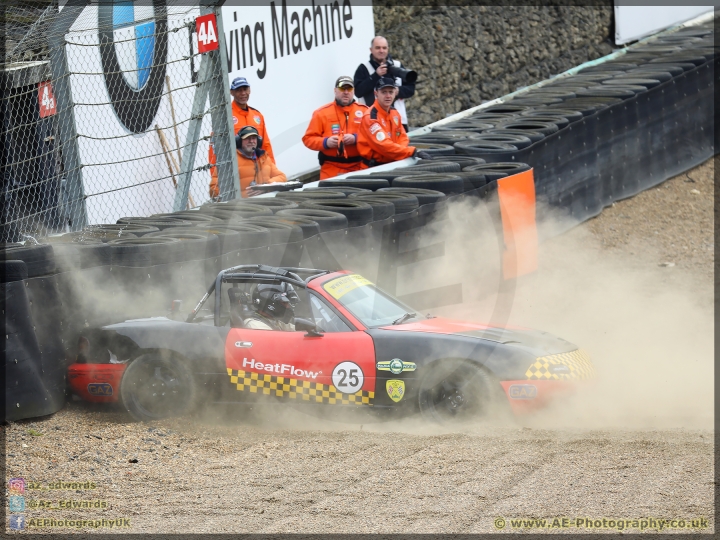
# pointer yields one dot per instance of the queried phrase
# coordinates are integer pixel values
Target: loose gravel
(280, 471)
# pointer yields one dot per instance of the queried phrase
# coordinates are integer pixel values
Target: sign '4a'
(206, 29)
(46, 99)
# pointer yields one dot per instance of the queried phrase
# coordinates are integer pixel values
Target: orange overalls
(261, 170)
(382, 138)
(329, 120)
(241, 118)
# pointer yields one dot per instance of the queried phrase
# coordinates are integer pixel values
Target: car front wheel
(457, 391)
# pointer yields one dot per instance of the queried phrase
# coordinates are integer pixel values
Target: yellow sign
(337, 288)
(395, 389)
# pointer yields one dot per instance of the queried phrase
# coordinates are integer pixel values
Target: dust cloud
(649, 332)
(648, 329)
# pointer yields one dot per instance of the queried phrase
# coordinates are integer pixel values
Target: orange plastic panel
(517, 208)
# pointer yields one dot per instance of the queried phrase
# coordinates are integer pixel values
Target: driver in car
(274, 307)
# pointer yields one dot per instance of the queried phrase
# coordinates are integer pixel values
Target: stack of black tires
(604, 133)
(498, 132)
(591, 138)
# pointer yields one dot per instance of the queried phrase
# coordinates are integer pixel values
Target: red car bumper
(99, 383)
(527, 396)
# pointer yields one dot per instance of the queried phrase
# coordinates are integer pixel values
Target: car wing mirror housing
(307, 326)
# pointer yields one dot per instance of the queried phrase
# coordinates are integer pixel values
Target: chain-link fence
(108, 112)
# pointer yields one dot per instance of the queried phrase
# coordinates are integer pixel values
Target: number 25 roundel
(348, 377)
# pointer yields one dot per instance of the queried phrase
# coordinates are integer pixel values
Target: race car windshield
(372, 306)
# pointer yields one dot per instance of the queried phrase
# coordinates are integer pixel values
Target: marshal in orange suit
(333, 132)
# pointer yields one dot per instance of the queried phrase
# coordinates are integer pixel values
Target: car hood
(527, 338)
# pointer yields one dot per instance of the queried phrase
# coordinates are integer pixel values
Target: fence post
(74, 199)
(212, 80)
(191, 139)
(222, 119)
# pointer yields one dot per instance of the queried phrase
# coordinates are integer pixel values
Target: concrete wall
(468, 54)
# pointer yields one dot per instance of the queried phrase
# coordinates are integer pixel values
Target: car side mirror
(307, 326)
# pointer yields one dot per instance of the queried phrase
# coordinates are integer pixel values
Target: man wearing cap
(333, 132)
(255, 166)
(382, 138)
(243, 115)
(369, 73)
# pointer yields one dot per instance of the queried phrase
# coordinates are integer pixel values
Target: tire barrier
(223, 214)
(33, 350)
(446, 137)
(308, 227)
(229, 239)
(38, 259)
(275, 204)
(280, 233)
(249, 235)
(72, 250)
(357, 213)
(115, 231)
(603, 134)
(326, 220)
(435, 149)
(400, 203)
(472, 180)
(382, 208)
(299, 196)
(142, 252)
(159, 222)
(389, 176)
(239, 210)
(467, 125)
(608, 131)
(518, 141)
(424, 196)
(448, 184)
(191, 216)
(347, 190)
(463, 161)
(486, 148)
(195, 245)
(445, 164)
(368, 183)
(11, 271)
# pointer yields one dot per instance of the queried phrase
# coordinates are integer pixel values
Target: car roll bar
(257, 273)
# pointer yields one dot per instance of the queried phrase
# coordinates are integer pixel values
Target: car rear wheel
(156, 386)
(458, 391)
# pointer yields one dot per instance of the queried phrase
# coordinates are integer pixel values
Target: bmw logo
(396, 366)
(133, 50)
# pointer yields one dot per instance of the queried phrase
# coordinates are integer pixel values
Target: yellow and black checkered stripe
(258, 383)
(577, 361)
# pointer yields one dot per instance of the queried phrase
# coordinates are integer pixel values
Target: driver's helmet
(276, 300)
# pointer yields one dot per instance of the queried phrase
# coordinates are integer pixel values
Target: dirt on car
(632, 452)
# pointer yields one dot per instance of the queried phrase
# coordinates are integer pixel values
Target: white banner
(634, 22)
(116, 107)
(291, 55)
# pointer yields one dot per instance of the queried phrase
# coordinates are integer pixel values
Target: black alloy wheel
(458, 391)
(156, 386)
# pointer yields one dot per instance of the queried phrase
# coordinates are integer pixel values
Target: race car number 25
(347, 377)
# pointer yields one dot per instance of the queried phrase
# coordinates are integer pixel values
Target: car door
(337, 368)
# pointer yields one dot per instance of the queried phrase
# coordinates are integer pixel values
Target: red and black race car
(329, 340)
